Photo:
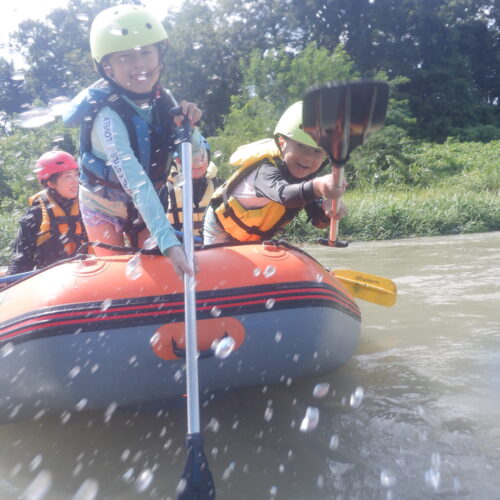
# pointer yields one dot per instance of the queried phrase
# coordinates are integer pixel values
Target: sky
(15, 11)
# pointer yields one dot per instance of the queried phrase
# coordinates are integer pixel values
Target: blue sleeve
(110, 138)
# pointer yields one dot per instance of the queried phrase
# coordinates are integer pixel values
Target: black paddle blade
(341, 116)
(196, 482)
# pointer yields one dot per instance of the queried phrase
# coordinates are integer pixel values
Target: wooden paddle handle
(338, 179)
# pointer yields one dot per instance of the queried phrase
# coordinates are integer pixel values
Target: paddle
(196, 482)
(369, 287)
(340, 117)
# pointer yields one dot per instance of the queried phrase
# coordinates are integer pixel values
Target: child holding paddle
(128, 135)
(276, 179)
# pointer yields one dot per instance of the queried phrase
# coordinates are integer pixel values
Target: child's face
(66, 184)
(136, 70)
(301, 160)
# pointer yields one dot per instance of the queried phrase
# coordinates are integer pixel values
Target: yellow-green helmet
(290, 125)
(124, 27)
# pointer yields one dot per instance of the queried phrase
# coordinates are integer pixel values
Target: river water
(424, 422)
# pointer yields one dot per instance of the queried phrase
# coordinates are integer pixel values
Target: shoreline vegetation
(396, 190)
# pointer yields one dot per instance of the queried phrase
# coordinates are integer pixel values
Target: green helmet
(124, 27)
(290, 125)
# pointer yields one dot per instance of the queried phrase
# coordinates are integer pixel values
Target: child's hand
(191, 110)
(324, 187)
(178, 257)
(341, 209)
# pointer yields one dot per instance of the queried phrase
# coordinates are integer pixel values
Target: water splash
(144, 480)
(357, 397)
(34, 118)
(134, 268)
(224, 347)
(87, 491)
(321, 390)
(311, 419)
(39, 487)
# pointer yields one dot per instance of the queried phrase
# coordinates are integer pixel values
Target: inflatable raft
(100, 333)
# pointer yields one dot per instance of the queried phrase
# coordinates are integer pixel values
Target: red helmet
(54, 162)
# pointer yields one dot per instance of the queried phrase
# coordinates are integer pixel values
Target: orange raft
(95, 332)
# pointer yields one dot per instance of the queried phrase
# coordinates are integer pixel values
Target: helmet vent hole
(124, 31)
(148, 26)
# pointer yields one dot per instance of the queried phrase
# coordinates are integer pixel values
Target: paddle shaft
(192, 385)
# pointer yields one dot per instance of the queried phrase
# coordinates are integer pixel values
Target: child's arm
(271, 183)
(25, 245)
(109, 135)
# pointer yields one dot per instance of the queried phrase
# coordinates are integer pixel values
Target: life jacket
(174, 212)
(257, 223)
(61, 232)
(153, 144)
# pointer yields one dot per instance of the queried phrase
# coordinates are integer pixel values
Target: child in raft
(128, 134)
(276, 179)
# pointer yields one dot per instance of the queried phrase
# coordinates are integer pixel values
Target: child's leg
(105, 232)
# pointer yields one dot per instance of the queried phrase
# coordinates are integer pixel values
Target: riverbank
(382, 215)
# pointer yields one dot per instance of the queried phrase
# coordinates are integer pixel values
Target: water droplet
(387, 479)
(436, 460)
(65, 416)
(39, 487)
(311, 419)
(35, 463)
(81, 404)
(270, 303)
(7, 349)
(213, 425)
(224, 347)
(319, 277)
(59, 105)
(134, 268)
(155, 338)
(109, 411)
(144, 480)
(215, 312)
(74, 371)
(278, 336)
(181, 486)
(227, 472)
(269, 271)
(87, 491)
(273, 491)
(321, 390)
(357, 397)
(268, 414)
(128, 475)
(433, 478)
(256, 272)
(150, 243)
(106, 304)
(217, 154)
(17, 75)
(320, 482)
(177, 375)
(36, 117)
(82, 17)
(334, 442)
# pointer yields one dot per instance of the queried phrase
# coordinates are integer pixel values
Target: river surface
(424, 422)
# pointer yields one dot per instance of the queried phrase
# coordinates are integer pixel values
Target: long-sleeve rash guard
(110, 142)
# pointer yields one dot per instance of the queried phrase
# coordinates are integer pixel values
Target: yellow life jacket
(174, 212)
(249, 224)
(57, 225)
